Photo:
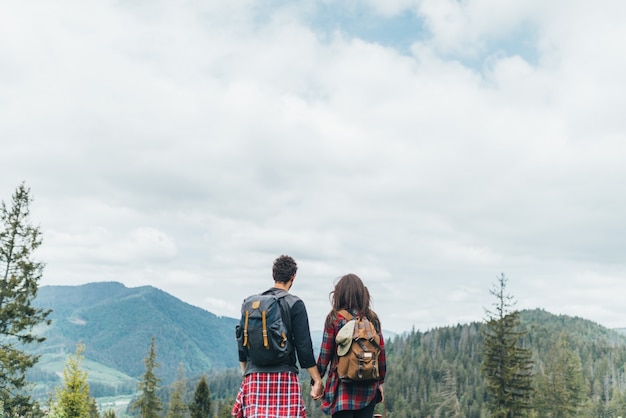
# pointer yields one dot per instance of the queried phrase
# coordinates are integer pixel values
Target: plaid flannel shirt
(339, 396)
(269, 395)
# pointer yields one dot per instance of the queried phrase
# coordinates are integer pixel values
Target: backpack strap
(369, 328)
(245, 330)
(346, 314)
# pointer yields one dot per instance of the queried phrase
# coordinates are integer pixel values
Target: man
(274, 391)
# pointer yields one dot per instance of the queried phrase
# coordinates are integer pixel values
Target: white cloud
(101, 246)
(186, 146)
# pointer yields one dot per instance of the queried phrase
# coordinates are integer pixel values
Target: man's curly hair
(284, 268)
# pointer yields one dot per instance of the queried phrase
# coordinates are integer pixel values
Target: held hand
(317, 390)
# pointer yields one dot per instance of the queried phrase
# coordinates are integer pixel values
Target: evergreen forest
(437, 373)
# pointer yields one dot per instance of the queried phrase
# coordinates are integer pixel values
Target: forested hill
(116, 323)
(437, 373)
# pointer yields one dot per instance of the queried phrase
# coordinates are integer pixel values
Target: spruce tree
(177, 407)
(109, 413)
(447, 401)
(19, 282)
(148, 404)
(507, 365)
(93, 408)
(73, 400)
(226, 407)
(560, 387)
(201, 405)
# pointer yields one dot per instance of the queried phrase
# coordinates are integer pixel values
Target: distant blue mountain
(116, 323)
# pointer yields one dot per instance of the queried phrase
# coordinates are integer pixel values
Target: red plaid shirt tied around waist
(269, 395)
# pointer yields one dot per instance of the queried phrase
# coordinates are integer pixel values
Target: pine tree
(507, 365)
(201, 405)
(19, 282)
(448, 404)
(560, 387)
(93, 408)
(177, 407)
(73, 400)
(149, 404)
(109, 413)
(226, 406)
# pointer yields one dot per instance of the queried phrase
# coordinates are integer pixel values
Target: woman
(345, 400)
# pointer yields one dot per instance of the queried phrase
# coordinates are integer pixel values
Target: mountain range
(116, 324)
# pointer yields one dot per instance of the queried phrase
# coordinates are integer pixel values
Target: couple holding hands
(274, 391)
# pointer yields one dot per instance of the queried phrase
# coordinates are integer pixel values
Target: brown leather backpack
(357, 355)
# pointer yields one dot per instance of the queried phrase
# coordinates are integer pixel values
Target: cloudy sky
(426, 145)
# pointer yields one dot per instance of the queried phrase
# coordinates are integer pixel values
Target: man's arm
(302, 335)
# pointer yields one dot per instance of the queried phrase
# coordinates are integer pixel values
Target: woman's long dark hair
(351, 294)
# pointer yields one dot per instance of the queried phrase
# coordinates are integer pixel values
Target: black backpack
(263, 331)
